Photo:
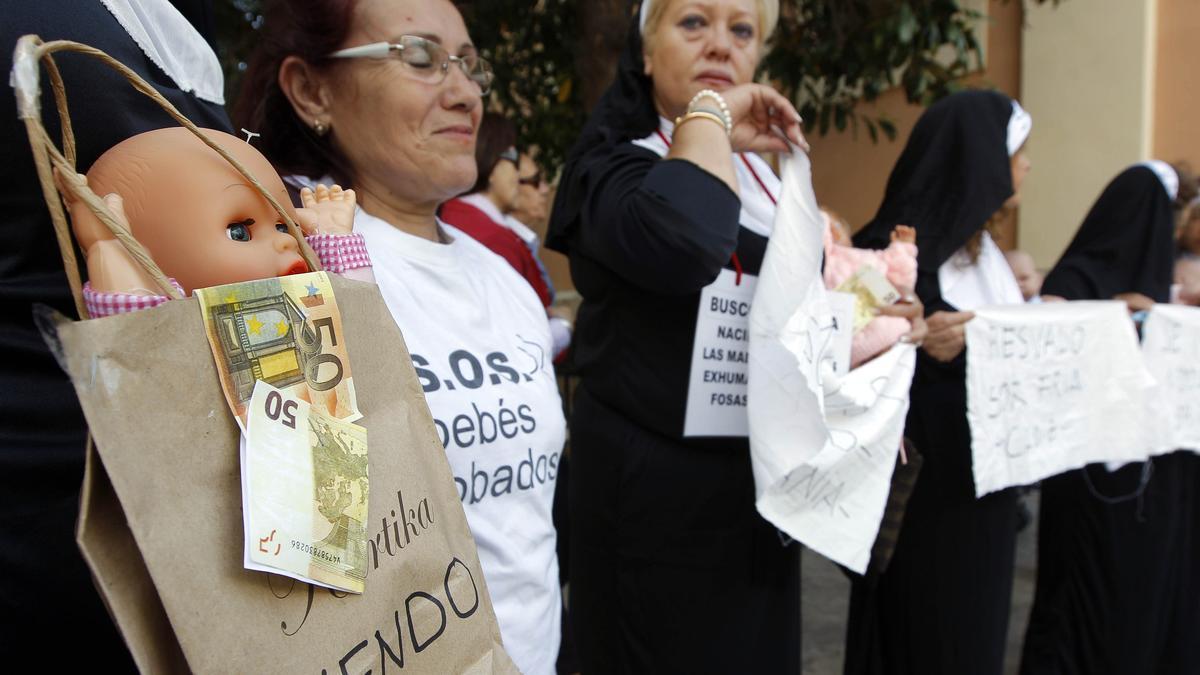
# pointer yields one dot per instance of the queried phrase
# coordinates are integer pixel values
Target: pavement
(825, 600)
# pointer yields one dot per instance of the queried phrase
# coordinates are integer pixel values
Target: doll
(898, 262)
(201, 221)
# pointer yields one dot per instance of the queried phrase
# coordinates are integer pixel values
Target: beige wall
(1176, 133)
(850, 173)
(1087, 80)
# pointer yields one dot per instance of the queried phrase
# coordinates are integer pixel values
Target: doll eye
(240, 231)
(281, 227)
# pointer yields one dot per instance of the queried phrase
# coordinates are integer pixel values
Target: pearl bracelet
(726, 117)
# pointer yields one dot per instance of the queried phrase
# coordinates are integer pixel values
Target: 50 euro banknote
(305, 491)
(285, 331)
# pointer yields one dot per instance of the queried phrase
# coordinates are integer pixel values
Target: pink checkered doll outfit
(338, 253)
(897, 262)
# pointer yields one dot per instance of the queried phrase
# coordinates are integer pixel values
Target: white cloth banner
(823, 447)
(1054, 387)
(1171, 344)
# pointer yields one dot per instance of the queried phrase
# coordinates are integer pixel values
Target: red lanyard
(737, 264)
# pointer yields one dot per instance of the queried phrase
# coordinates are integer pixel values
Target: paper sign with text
(1054, 387)
(1171, 344)
(716, 402)
(823, 442)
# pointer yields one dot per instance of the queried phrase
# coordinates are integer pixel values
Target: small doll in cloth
(897, 262)
(201, 221)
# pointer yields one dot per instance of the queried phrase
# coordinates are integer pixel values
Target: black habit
(46, 594)
(672, 569)
(942, 605)
(1116, 588)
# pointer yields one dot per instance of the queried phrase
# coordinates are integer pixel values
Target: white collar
(489, 208)
(481, 202)
(172, 44)
(1166, 174)
(988, 281)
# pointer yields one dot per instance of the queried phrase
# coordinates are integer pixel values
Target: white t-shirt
(481, 348)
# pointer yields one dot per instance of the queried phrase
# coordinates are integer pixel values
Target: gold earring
(320, 127)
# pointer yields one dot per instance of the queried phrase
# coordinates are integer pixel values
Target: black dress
(47, 599)
(942, 605)
(1116, 587)
(672, 568)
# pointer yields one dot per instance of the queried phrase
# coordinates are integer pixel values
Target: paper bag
(161, 518)
(164, 538)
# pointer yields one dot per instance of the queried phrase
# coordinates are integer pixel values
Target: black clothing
(1125, 244)
(942, 605)
(46, 591)
(953, 174)
(1112, 550)
(673, 570)
(1116, 586)
(666, 543)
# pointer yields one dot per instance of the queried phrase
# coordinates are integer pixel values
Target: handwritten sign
(1171, 344)
(823, 441)
(1052, 388)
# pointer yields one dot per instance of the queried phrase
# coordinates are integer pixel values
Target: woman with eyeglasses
(385, 96)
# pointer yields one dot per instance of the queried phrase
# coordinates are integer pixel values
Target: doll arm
(901, 260)
(110, 267)
(876, 337)
(327, 220)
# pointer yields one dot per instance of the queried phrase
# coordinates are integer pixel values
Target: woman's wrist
(710, 102)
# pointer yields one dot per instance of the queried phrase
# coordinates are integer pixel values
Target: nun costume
(672, 569)
(942, 604)
(1115, 587)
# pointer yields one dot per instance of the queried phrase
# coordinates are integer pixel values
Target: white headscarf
(1019, 126)
(172, 44)
(1166, 174)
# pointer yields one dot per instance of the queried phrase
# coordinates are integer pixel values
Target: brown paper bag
(161, 517)
(169, 445)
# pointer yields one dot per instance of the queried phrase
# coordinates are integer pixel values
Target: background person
(403, 136)
(1116, 585)
(1029, 279)
(942, 605)
(483, 211)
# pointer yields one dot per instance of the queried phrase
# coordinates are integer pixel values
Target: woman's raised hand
(947, 334)
(757, 111)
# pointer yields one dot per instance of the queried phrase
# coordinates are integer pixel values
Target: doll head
(200, 220)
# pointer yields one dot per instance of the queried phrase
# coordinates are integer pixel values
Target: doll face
(198, 217)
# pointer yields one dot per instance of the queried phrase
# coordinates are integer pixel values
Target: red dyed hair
(309, 29)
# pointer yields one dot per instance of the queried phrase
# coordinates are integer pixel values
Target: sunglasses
(532, 181)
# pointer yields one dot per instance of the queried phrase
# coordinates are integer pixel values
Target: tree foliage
(553, 57)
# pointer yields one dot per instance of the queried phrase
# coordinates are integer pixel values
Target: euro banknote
(285, 331)
(305, 492)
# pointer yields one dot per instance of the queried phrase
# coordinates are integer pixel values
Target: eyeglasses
(424, 61)
(532, 181)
